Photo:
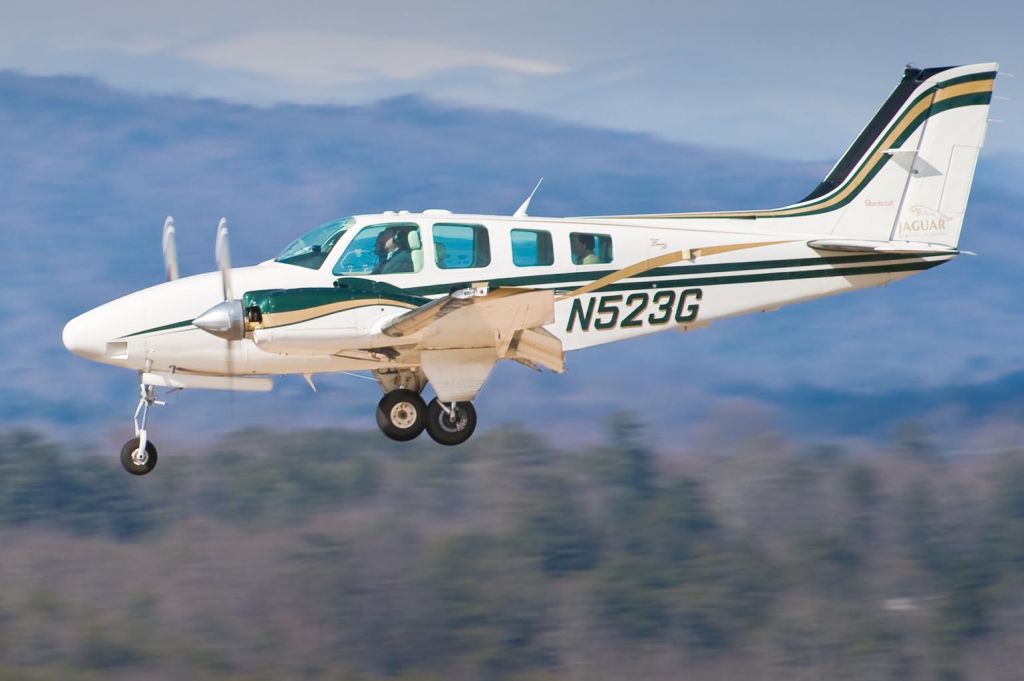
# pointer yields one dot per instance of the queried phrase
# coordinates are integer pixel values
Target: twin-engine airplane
(439, 298)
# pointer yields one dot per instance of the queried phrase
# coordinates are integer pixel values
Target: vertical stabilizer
(911, 171)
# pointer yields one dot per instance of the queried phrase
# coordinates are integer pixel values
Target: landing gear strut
(450, 423)
(138, 456)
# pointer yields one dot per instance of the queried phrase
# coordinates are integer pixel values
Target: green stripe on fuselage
(582, 278)
(667, 277)
(768, 276)
(292, 300)
(166, 327)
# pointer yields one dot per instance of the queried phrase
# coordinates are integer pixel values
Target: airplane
(439, 298)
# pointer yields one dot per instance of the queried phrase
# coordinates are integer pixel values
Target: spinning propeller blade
(234, 307)
(170, 250)
(223, 255)
(226, 318)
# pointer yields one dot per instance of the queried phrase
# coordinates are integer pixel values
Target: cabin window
(531, 248)
(461, 246)
(383, 249)
(590, 249)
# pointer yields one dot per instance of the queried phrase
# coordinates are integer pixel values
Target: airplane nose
(82, 337)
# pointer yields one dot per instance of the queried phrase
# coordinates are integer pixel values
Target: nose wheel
(450, 423)
(138, 460)
(401, 415)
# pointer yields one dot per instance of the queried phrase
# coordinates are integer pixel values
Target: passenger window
(590, 249)
(531, 248)
(461, 246)
(383, 249)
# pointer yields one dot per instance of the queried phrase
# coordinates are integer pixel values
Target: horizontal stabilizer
(868, 246)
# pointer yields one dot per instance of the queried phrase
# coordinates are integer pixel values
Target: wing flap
(537, 346)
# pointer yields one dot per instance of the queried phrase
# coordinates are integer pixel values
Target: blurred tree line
(339, 555)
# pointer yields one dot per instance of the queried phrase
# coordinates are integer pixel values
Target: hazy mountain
(89, 174)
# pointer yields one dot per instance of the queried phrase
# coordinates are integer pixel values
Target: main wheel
(401, 415)
(138, 462)
(447, 428)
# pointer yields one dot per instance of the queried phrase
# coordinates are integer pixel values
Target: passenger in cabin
(583, 250)
(396, 256)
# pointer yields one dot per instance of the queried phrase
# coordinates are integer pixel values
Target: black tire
(136, 467)
(401, 415)
(447, 431)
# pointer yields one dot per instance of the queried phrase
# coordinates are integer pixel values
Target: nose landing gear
(138, 456)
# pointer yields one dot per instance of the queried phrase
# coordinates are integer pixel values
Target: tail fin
(908, 175)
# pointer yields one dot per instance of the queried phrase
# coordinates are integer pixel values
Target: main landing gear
(402, 414)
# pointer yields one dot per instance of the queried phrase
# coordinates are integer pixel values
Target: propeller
(226, 319)
(223, 255)
(170, 250)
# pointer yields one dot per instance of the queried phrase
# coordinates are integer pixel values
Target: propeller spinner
(225, 319)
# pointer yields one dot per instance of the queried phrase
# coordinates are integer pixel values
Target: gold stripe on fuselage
(660, 261)
(275, 319)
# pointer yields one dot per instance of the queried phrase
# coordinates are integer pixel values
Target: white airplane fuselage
(154, 324)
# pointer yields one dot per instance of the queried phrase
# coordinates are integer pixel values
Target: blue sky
(794, 80)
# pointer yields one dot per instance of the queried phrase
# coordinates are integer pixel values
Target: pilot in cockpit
(393, 251)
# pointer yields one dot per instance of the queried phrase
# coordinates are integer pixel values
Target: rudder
(939, 182)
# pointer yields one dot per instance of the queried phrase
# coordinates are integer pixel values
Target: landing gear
(138, 456)
(401, 414)
(450, 423)
(138, 460)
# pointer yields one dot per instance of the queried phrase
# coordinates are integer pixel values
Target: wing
(460, 337)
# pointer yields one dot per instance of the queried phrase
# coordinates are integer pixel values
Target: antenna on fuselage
(170, 250)
(521, 212)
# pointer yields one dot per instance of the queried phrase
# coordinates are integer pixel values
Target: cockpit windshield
(312, 248)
